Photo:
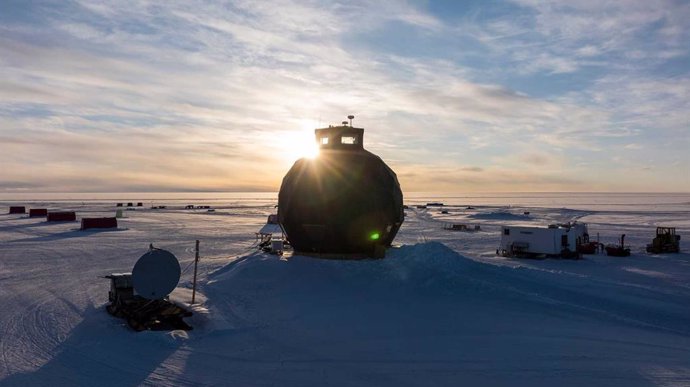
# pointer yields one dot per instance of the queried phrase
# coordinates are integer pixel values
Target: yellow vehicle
(666, 241)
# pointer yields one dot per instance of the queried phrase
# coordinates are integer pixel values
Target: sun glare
(300, 144)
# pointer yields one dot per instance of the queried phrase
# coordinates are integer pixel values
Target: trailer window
(506, 231)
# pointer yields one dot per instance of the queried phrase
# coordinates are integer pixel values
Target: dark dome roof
(347, 200)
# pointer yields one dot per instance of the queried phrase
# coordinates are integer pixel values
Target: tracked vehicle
(666, 241)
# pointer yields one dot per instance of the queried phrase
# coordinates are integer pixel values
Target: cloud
(419, 178)
(559, 36)
(536, 159)
(207, 95)
(10, 186)
(588, 51)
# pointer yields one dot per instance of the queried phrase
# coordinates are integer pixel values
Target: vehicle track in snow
(55, 317)
(45, 298)
(50, 272)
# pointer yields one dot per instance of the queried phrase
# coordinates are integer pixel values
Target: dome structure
(345, 201)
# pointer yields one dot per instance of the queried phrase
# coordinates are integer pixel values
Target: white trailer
(558, 240)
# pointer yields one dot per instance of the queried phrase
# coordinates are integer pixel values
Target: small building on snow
(17, 210)
(61, 216)
(38, 212)
(556, 240)
(87, 223)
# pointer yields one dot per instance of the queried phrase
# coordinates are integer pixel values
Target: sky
(455, 96)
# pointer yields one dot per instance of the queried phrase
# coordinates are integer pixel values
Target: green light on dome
(374, 236)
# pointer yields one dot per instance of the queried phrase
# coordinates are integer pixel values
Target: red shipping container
(87, 223)
(17, 210)
(38, 212)
(62, 216)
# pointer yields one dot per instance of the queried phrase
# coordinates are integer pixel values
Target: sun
(300, 143)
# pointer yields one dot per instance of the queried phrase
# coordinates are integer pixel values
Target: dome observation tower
(346, 201)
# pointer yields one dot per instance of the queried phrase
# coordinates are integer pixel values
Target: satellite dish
(156, 274)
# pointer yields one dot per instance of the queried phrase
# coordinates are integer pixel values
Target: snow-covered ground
(440, 309)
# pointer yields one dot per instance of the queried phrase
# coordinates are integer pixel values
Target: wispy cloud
(208, 95)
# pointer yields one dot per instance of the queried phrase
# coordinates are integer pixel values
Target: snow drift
(427, 315)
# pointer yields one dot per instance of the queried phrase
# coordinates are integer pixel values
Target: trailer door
(564, 241)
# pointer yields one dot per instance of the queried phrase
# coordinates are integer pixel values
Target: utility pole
(196, 262)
